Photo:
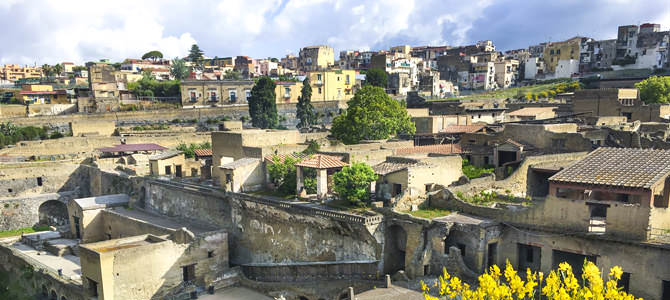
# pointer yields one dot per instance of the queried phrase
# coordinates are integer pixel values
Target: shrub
(352, 183)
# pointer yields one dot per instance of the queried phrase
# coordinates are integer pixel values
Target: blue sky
(52, 31)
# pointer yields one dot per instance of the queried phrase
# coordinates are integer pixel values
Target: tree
(47, 70)
(655, 89)
(153, 55)
(283, 174)
(376, 77)
(352, 183)
(372, 115)
(262, 104)
(179, 70)
(195, 55)
(305, 110)
(232, 75)
(58, 69)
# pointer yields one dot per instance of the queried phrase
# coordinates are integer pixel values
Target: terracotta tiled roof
(531, 111)
(203, 152)
(132, 148)
(322, 161)
(442, 149)
(282, 157)
(462, 128)
(618, 167)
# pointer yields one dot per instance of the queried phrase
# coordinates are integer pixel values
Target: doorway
(77, 229)
(492, 255)
(168, 170)
(177, 170)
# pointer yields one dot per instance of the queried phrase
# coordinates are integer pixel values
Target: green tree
(189, 150)
(58, 69)
(232, 75)
(655, 89)
(47, 70)
(153, 55)
(179, 69)
(262, 104)
(283, 174)
(376, 77)
(352, 183)
(372, 115)
(195, 55)
(305, 109)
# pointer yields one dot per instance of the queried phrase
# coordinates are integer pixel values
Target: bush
(352, 183)
(283, 174)
(56, 135)
(559, 284)
(474, 172)
(189, 150)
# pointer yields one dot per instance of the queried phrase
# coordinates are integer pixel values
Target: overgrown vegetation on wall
(189, 150)
(10, 284)
(150, 87)
(475, 172)
(11, 134)
(655, 89)
(559, 284)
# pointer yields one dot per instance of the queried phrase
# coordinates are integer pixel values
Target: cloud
(51, 31)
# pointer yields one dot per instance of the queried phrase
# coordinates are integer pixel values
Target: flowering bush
(560, 284)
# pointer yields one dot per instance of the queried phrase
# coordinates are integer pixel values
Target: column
(299, 180)
(321, 183)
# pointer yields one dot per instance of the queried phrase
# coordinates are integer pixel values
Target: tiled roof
(132, 148)
(442, 149)
(531, 111)
(462, 128)
(202, 152)
(165, 155)
(513, 142)
(240, 163)
(390, 167)
(322, 161)
(618, 167)
(282, 157)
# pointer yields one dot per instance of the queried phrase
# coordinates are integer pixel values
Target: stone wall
(301, 272)
(33, 178)
(22, 212)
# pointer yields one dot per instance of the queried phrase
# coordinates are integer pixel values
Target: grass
(506, 93)
(429, 213)
(15, 232)
(344, 205)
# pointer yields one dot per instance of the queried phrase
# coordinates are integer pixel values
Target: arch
(53, 212)
(53, 295)
(395, 244)
(45, 291)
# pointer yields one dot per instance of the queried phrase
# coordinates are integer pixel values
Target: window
(397, 189)
(247, 94)
(188, 273)
(287, 92)
(212, 96)
(229, 178)
(194, 96)
(558, 51)
(318, 77)
(210, 254)
(319, 90)
(479, 116)
(168, 170)
(347, 80)
(39, 181)
(233, 96)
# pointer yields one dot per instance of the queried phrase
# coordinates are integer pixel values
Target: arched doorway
(395, 243)
(53, 213)
(53, 295)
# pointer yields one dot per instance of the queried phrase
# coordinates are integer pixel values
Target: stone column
(321, 183)
(299, 180)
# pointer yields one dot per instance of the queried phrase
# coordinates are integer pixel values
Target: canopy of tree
(371, 115)
(305, 109)
(262, 104)
(376, 77)
(352, 183)
(195, 54)
(655, 89)
(179, 69)
(153, 55)
(150, 87)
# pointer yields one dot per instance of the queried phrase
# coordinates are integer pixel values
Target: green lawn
(429, 213)
(15, 232)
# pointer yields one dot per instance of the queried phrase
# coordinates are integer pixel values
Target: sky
(54, 31)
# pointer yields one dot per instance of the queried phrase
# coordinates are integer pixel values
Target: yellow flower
(616, 272)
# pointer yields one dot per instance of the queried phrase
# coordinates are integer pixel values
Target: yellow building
(314, 58)
(565, 50)
(288, 91)
(16, 72)
(332, 84)
(41, 94)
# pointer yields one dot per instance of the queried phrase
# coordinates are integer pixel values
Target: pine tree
(262, 104)
(305, 110)
(195, 55)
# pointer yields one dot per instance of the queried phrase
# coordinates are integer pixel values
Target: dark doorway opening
(177, 170)
(492, 254)
(77, 228)
(168, 170)
(394, 249)
(505, 157)
(397, 189)
(575, 260)
(188, 273)
(529, 257)
(666, 290)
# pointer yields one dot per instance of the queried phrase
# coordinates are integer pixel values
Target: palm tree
(58, 69)
(46, 70)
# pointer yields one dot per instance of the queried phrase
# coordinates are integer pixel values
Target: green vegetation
(15, 232)
(376, 77)
(305, 109)
(189, 150)
(372, 115)
(486, 198)
(471, 171)
(352, 183)
(232, 75)
(429, 213)
(655, 89)
(179, 69)
(525, 92)
(150, 87)
(196, 55)
(153, 55)
(312, 148)
(263, 104)
(11, 284)
(283, 174)
(150, 127)
(11, 134)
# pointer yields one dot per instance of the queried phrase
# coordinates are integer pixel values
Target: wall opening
(492, 255)
(666, 290)
(53, 213)
(394, 249)
(92, 287)
(188, 273)
(624, 283)
(528, 257)
(39, 181)
(575, 260)
(53, 295)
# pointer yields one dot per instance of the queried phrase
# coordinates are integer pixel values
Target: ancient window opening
(39, 181)
(462, 248)
(210, 254)
(624, 282)
(188, 273)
